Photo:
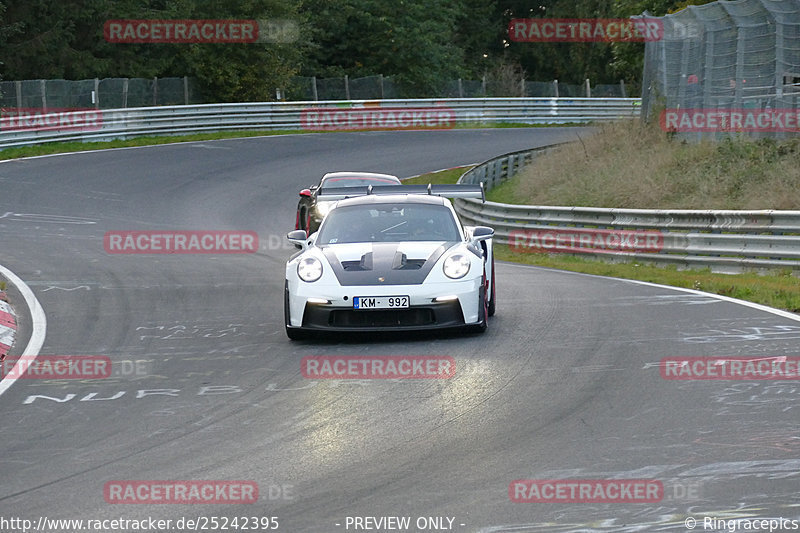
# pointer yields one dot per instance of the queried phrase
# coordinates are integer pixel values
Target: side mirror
(306, 193)
(482, 233)
(298, 237)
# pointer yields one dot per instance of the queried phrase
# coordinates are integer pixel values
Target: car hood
(382, 263)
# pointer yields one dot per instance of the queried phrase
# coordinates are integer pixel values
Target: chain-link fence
(108, 93)
(380, 87)
(732, 67)
(118, 93)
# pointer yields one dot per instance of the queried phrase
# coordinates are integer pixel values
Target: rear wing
(459, 190)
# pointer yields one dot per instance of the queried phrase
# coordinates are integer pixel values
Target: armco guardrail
(103, 125)
(725, 241)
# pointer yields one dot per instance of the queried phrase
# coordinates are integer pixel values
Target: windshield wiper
(392, 227)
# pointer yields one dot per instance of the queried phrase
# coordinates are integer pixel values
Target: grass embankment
(447, 176)
(624, 165)
(628, 166)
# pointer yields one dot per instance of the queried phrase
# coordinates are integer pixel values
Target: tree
(412, 40)
(65, 40)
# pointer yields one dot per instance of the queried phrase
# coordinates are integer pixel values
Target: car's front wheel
(293, 333)
(493, 297)
(483, 310)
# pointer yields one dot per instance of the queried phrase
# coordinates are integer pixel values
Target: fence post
(186, 90)
(381, 78)
(18, 86)
(522, 87)
(460, 89)
(155, 90)
(588, 88)
(44, 93)
(125, 92)
(555, 87)
(314, 88)
(96, 93)
(346, 88)
(483, 85)
(622, 89)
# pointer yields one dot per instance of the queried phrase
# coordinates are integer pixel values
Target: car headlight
(323, 208)
(456, 266)
(309, 269)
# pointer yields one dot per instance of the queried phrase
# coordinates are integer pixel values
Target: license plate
(380, 302)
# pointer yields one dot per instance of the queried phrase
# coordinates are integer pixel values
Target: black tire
(483, 315)
(294, 334)
(302, 219)
(493, 298)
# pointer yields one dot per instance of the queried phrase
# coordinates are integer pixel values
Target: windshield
(389, 223)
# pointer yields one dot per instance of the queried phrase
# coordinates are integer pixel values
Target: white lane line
(440, 170)
(38, 330)
(779, 312)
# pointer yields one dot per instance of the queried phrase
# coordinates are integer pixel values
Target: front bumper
(435, 315)
(423, 312)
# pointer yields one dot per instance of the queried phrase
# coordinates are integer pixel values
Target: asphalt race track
(565, 383)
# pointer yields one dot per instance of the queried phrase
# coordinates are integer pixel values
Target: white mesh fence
(735, 56)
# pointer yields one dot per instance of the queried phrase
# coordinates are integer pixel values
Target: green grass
(627, 165)
(505, 193)
(778, 289)
(442, 176)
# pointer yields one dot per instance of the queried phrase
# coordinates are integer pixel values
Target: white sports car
(391, 258)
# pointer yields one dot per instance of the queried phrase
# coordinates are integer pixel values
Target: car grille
(382, 318)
